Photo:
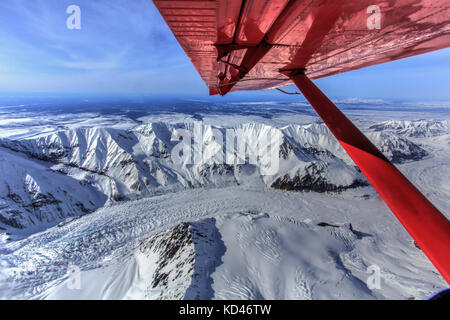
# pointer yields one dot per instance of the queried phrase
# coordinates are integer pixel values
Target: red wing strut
(429, 228)
(256, 45)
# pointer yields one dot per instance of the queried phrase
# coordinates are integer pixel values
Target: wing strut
(427, 226)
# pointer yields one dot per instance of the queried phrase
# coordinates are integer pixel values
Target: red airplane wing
(257, 38)
(263, 44)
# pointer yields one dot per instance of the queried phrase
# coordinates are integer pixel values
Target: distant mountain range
(51, 177)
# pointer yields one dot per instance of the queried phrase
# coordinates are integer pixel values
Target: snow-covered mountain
(413, 129)
(51, 177)
(34, 196)
(162, 229)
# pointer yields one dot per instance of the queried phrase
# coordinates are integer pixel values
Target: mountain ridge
(114, 165)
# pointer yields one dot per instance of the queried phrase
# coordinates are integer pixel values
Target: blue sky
(125, 47)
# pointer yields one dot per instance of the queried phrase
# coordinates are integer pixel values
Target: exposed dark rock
(124, 163)
(187, 255)
(324, 224)
(286, 148)
(417, 245)
(208, 170)
(40, 199)
(82, 208)
(13, 196)
(118, 198)
(415, 153)
(167, 246)
(11, 222)
(312, 181)
(349, 226)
